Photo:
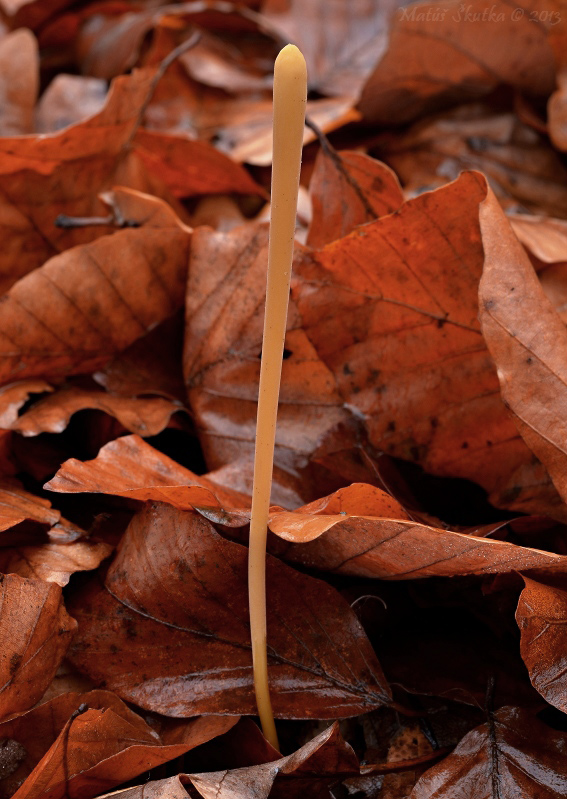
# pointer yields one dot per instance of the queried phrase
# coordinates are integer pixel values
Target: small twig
(71, 222)
(339, 164)
(161, 70)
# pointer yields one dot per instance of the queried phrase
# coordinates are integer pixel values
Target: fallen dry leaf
(438, 56)
(91, 742)
(396, 549)
(53, 562)
(145, 416)
(514, 754)
(409, 356)
(32, 647)
(129, 467)
(528, 342)
(19, 84)
(77, 310)
(541, 616)
(174, 607)
(348, 189)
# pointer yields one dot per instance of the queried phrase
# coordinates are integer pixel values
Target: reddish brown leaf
(542, 618)
(528, 342)
(68, 100)
(513, 755)
(53, 563)
(19, 83)
(544, 237)
(302, 773)
(14, 395)
(438, 56)
(348, 189)
(189, 167)
(523, 169)
(16, 505)
(79, 308)
(396, 549)
(145, 416)
(221, 364)
(128, 467)
(35, 631)
(153, 616)
(409, 356)
(340, 45)
(557, 112)
(102, 746)
(44, 176)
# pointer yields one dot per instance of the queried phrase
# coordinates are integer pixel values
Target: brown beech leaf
(438, 56)
(340, 46)
(190, 167)
(528, 342)
(14, 395)
(82, 744)
(145, 416)
(35, 631)
(303, 773)
(348, 189)
(542, 236)
(92, 301)
(169, 629)
(557, 112)
(47, 175)
(513, 755)
(542, 619)
(129, 467)
(19, 82)
(399, 549)
(221, 362)
(53, 562)
(68, 100)
(408, 357)
(17, 505)
(522, 167)
(323, 759)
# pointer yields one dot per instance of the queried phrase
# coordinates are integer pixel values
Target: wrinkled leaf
(91, 751)
(172, 622)
(35, 631)
(129, 467)
(438, 56)
(145, 416)
(348, 189)
(528, 342)
(542, 619)
(513, 755)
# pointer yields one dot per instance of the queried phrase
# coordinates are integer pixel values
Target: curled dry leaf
(145, 416)
(557, 112)
(68, 100)
(528, 342)
(52, 562)
(542, 619)
(514, 754)
(542, 236)
(174, 604)
(78, 309)
(323, 759)
(408, 356)
(17, 505)
(440, 56)
(348, 189)
(83, 744)
(14, 395)
(35, 631)
(129, 467)
(396, 549)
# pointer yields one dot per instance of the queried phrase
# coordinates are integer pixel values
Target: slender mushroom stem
(290, 93)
